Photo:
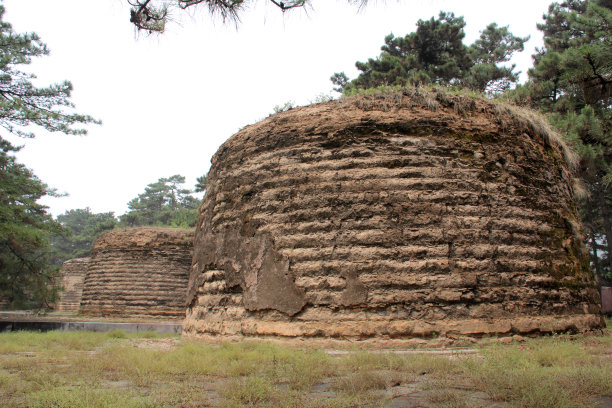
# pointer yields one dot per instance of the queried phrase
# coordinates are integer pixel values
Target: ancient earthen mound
(400, 214)
(73, 277)
(139, 272)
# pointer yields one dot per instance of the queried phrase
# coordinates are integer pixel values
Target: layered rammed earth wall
(139, 272)
(390, 215)
(73, 277)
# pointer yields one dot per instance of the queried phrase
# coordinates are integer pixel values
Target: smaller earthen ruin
(72, 280)
(139, 272)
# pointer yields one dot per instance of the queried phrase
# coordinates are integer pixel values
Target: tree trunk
(605, 213)
(595, 257)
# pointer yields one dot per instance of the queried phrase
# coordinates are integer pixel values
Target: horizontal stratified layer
(329, 222)
(73, 278)
(139, 272)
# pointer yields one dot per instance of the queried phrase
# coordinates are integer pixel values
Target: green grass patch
(556, 371)
(361, 382)
(250, 391)
(84, 397)
(22, 341)
(72, 369)
(444, 398)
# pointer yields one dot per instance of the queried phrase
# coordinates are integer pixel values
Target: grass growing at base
(29, 341)
(78, 369)
(558, 371)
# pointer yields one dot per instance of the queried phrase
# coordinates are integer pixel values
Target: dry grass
(464, 102)
(361, 382)
(445, 398)
(114, 369)
(561, 371)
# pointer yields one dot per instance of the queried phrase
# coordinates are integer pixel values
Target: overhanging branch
(145, 15)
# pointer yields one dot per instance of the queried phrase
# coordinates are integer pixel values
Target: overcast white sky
(168, 102)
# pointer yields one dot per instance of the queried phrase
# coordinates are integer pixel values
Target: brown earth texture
(399, 214)
(139, 272)
(73, 277)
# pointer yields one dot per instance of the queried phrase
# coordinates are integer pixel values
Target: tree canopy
(571, 81)
(201, 182)
(21, 103)
(82, 229)
(435, 54)
(27, 275)
(164, 203)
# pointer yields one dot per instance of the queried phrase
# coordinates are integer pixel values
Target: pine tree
(571, 81)
(435, 54)
(152, 15)
(82, 229)
(163, 203)
(21, 103)
(27, 276)
(496, 45)
(201, 182)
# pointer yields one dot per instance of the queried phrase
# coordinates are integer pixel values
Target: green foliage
(26, 274)
(201, 183)
(82, 229)
(163, 203)
(340, 80)
(53, 341)
(545, 372)
(435, 54)
(360, 382)
(84, 397)
(284, 107)
(571, 81)
(22, 104)
(322, 98)
(495, 45)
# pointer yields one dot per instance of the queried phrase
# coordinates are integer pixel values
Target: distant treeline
(164, 203)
